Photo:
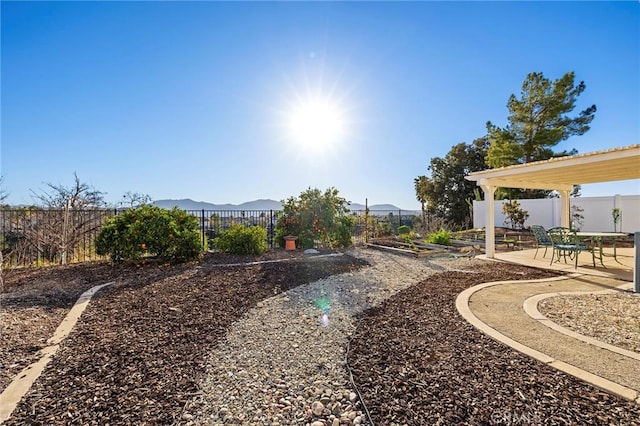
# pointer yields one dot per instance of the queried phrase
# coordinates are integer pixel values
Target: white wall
(546, 212)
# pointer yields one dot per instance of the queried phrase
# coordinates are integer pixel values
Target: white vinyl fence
(597, 212)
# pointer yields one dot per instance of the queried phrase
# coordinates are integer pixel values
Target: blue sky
(195, 99)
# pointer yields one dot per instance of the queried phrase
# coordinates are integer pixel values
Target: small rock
(284, 402)
(337, 408)
(311, 251)
(353, 396)
(317, 408)
(317, 423)
(357, 420)
(187, 416)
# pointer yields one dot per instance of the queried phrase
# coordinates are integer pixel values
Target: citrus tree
(316, 217)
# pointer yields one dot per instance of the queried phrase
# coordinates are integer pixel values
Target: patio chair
(542, 239)
(565, 241)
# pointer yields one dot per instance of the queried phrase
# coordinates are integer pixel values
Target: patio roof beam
(517, 183)
(604, 166)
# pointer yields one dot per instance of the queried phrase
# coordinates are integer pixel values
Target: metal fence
(212, 223)
(38, 237)
(371, 224)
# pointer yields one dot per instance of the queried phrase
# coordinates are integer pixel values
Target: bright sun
(316, 124)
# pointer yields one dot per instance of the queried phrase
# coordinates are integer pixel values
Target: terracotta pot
(290, 242)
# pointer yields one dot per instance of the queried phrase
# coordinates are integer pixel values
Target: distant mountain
(189, 204)
(261, 205)
(381, 209)
(389, 207)
(265, 204)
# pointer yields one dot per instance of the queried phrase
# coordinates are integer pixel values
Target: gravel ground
(268, 344)
(610, 318)
(284, 361)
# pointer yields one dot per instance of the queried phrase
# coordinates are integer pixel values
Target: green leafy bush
(242, 240)
(316, 217)
(515, 215)
(171, 235)
(379, 226)
(404, 229)
(343, 232)
(442, 237)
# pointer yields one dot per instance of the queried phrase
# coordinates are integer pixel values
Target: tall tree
(421, 186)
(538, 121)
(447, 191)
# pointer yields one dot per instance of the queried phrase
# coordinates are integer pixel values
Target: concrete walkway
(620, 268)
(507, 311)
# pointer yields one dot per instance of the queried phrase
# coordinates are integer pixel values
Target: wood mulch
(35, 300)
(139, 349)
(416, 361)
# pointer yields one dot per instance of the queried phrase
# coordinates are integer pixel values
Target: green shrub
(239, 239)
(341, 236)
(407, 239)
(442, 237)
(384, 229)
(404, 229)
(170, 235)
(316, 217)
(514, 215)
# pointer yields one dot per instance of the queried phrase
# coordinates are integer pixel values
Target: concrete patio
(508, 312)
(622, 269)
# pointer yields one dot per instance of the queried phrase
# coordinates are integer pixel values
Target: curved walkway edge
(462, 305)
(262, 262)
(531, 308)
(23, 381)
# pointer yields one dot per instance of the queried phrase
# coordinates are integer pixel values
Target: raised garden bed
(416, 249)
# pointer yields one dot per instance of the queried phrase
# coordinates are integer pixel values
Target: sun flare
(316, 124)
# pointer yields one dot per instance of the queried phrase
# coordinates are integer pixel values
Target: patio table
(598, 238)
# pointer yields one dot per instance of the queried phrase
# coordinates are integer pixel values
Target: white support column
(565, 202)
(489, 227)
(636, 269)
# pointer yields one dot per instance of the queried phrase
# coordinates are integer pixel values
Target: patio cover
(564, 172)
(558, 174)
